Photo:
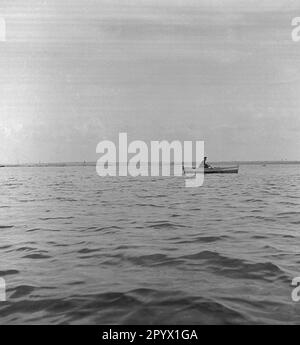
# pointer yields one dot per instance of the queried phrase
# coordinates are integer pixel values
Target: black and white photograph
(149, 165)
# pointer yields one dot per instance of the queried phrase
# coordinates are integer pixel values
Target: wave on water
(76, 248)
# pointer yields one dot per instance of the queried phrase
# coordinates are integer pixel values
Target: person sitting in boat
(207, 166)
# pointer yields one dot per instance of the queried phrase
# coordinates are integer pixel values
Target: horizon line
(94, 163)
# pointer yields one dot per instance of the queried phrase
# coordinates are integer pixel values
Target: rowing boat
(214, 170)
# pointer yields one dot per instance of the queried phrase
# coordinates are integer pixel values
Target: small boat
(213, 170)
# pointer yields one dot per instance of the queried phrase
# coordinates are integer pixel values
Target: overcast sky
(73, 73)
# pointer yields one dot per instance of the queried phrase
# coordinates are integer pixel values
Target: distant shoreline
(83, 164)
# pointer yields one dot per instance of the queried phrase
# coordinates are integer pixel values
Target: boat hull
(216, 170)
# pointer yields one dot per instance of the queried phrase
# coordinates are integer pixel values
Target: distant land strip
(83, 164)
